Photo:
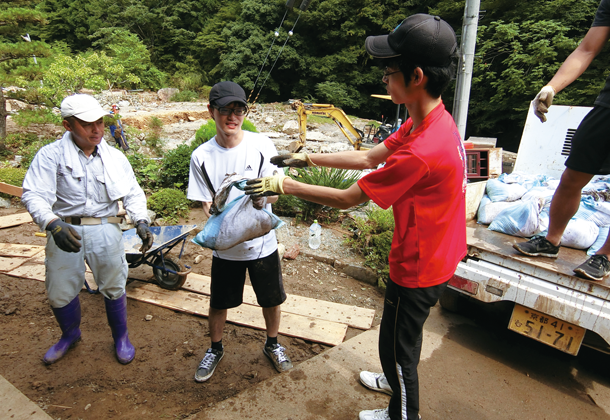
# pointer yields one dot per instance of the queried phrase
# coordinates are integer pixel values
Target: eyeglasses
(386, 74)
(237, 111)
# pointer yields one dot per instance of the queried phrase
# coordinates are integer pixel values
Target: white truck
(551, 304)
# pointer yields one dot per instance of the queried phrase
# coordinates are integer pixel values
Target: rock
(148, 317)
(87, 407)
(269, 120)
(160, 222)
(166, 93)
(191, 119)
(123, 104)
(152, 216)
(291, 127)
(5, 203)
(293, 252)
(10, 310)
(198, 259)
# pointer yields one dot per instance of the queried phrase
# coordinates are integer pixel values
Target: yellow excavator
(356, 137)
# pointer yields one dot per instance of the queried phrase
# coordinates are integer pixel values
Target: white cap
(84, 107)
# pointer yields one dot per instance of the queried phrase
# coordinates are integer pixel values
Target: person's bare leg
(272, 320)
(565, 203)
(216, 322)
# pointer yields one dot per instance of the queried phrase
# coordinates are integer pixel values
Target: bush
(146, 170)
(12, 176)
(153, 136)
(208, 130)
(176, 165)
(170, 204)
(28, 152)
(326, 177)
(19, 140)
(36, 116)
(373, 240)
(185, 96)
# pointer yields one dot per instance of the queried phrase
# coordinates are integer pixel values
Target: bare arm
(341, 199)
(581, 57)
(356, 159)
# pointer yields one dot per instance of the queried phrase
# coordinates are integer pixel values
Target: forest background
(192, 44)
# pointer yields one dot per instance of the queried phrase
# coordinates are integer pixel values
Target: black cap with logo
(426, 38)
(224, 93)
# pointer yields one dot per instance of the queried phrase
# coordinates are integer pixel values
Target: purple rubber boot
(116, 311)
(68, 319)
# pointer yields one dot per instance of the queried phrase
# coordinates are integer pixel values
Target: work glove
(259, 202)
(65, 236)
(293, 160)
(269, 185)
(543, 101)
(145, 234)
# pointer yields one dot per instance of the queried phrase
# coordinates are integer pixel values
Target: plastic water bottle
(315, 232)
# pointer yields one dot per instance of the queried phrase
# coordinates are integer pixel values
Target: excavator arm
(353, 135)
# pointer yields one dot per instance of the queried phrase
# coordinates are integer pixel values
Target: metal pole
(464, 74)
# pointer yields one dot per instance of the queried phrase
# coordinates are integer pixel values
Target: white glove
(543, 101)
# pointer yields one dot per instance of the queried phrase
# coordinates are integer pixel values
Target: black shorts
(590, 151)
(229, 278)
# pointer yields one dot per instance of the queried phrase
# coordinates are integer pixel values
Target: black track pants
(400, 338)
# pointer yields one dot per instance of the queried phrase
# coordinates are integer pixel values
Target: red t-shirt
(424, 180)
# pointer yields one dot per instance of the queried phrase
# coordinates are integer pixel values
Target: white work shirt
(52, 190)
(250, 159)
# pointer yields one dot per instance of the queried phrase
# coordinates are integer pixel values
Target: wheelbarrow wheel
(166, 279)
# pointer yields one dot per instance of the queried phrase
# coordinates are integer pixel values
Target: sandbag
(579, 234)
(499, 191)
(236, 222)
(600, 241)
(488, 210)
(518, 220)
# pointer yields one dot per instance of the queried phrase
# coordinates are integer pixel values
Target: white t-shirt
(249, 159)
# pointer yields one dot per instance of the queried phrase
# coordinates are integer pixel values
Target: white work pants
(102, 248)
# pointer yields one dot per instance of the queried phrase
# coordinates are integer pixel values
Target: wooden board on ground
(15, 220)
(15, 250)
(320, 331)
(353, 316)
(11, 189)
(8, 264)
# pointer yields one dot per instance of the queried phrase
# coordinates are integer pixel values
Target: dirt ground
(88, 383)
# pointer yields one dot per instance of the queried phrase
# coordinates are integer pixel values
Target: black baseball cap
(223, 93)
(425, 37)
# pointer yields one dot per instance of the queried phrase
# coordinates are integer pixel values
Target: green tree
(16, 56)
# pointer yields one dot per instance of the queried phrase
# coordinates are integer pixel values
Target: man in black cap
(234, 150)
(423, 180)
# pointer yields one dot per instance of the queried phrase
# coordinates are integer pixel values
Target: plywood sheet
(15, 220)
(11, 189)
(8, 264)
(15, 250)
(320, 331)
(353, 316)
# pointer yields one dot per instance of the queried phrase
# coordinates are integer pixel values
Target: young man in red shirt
(423, 180)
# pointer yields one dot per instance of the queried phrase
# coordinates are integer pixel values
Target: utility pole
(465, 64)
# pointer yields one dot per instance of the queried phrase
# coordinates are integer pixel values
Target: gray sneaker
(538, 246)
(208, 364)
(277, 354)
(595, 268)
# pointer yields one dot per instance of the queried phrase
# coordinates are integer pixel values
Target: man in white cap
(72, 189)
(423, 180)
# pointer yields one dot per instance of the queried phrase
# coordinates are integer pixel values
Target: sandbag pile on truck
(518, 204)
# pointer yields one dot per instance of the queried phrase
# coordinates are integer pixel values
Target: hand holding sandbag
(269, 185)
(145, 234)
(293, 160)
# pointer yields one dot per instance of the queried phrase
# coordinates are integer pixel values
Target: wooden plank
(11, 189)
(15, 250)
(38, 258)
(353, 316)
(320, 331)
(15, 220)
(8, 264)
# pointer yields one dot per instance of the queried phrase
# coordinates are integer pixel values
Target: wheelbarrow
(170, 273)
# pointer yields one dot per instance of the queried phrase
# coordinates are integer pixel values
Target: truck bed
(498, 248)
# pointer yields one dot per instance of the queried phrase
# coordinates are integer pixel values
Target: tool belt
(90, 221)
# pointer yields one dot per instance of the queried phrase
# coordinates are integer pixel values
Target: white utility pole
(464, 74)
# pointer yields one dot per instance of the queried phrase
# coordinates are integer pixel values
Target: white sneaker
(381, 414)
(375, 381)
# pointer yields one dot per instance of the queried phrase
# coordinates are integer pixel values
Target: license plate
(546, 329)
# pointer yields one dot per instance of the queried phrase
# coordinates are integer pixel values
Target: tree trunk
(3, 115)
